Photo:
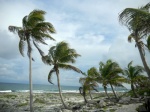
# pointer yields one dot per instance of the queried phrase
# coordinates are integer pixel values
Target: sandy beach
(50, 102)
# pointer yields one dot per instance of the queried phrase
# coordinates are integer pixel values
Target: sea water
(41, 88)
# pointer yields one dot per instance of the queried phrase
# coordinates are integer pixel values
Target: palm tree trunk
(105, 88)
(114, 91)
(30, 82)
(132, 87)
(147, 69)
(59, 88)
(90, 95)
(84, 96)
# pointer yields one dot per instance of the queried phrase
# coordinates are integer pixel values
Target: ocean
(40, 88)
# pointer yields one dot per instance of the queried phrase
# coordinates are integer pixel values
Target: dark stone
(76, 107)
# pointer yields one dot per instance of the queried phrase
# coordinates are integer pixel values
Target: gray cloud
(8, 46)
(90, 27)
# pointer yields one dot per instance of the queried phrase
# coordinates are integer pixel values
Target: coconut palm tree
(109, 74)
(133, 74)
(60, 56)
(89, 83)
(138, 23)
(35, 29)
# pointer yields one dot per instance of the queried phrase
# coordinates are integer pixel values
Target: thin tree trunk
(114, 91)
(59, 88)
(30, 82)
(90, 95)
(84, 96)
(132, 87)
(147, 69)
(105, 88)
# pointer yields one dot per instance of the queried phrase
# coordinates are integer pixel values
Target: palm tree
(34, 29)
(133, 74)
(138, 23)
(109, 74)
(89, 83)
(60, 56)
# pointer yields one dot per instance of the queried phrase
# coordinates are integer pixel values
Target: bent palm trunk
(90, 95)
(61, 97)
(114, 91)
(105, 88)
(132, 87)
(147, 69)
(30, 82)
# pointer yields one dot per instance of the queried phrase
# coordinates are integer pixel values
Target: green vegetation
(9, 96)
(22, 104)
(133, 74)
(138, 23)
(88, 83)
(60, 56)
(34, 29)
(37, 100)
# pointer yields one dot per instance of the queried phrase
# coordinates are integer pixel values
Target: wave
(52, 91)
(5, 91)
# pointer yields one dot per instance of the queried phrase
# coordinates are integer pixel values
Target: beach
(50, 102)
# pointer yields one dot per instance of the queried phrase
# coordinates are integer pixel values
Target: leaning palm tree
(109, 74)
(138, 23)
(34, 29)
(89, 83)
(60, 56)
(133, 74)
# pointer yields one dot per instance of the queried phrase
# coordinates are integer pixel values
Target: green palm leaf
(50, 75)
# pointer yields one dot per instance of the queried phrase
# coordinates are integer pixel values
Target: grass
(22, 104)
(37, 100)
(10, 96)
(112, 110)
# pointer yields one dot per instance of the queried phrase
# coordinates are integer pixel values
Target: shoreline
(50, 102)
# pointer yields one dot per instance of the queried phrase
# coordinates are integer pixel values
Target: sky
(89, 26)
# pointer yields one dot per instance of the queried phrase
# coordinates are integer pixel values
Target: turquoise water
(39, 88)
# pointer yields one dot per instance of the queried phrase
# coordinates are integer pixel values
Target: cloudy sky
(89, 26)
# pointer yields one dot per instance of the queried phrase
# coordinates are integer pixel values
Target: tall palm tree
(133, 74)
(60, 56)
(138, 23)
(35, 29)
(109, 74)
(88, 82)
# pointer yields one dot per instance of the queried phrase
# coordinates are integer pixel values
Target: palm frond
(37, 46)
(38, 34)
(82, 80)
(14, 29)
(69, 67)
(24, 22)
(50, 75)
(148, 42)
(130, 37)
(46, 27)
(21, 46)
(29, 48)
(136, 19)
(47, 60)
(35, 17)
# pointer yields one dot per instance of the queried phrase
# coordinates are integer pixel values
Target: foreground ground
(50, 102)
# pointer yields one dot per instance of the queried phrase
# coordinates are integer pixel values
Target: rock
(124, 100)
(135, 100)
(102, 103)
